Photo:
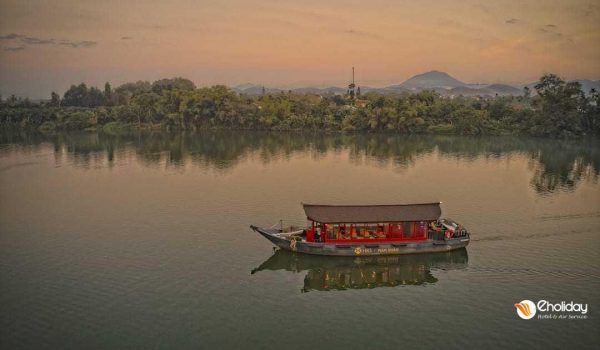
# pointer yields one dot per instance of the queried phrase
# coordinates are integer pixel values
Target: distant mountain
(446, 85)
(430, 80)
(503, 89)
(314, 90)
(253, 89)
(440, 82)
(482, 90)
(244, 86)
(390, 90)
(467, 91)
(335, 90)
(587, 85)
(308, 90)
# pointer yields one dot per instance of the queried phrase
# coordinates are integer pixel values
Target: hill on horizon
(441, 82)
(429, 80)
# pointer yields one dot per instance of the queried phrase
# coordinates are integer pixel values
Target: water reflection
(556, 165)
(340, 273)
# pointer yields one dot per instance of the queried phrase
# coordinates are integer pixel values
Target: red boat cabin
(374, 223)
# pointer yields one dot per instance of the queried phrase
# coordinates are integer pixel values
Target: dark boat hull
(363, 249)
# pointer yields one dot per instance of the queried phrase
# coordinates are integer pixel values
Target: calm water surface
(142, 241)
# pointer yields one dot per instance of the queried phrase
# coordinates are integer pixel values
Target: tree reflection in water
(557, 165)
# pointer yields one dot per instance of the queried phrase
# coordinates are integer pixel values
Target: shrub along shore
(554, 108)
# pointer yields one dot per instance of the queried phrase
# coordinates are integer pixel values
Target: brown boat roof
(338, 214)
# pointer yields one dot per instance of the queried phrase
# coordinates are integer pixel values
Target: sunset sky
(49, 45)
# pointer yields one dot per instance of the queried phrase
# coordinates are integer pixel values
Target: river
(143, 241)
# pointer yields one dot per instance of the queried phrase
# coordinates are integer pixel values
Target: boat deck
(365, 247)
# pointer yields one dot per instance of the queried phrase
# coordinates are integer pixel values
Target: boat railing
(287, 226)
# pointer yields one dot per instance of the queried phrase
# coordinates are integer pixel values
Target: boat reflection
(326, 273)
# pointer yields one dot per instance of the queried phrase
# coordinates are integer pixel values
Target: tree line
(556, 108)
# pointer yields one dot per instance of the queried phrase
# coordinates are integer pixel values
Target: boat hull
(363, 249)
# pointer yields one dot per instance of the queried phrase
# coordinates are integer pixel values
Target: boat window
(401, 230)
(366, 231)
(421, 229)
(330, 231)
(343, 231)
(407, 228)
(380, 231)
(396, 230)
(363, 232)
(339, 231)
(371, 229)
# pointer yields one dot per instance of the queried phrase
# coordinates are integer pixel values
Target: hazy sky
(48, 45)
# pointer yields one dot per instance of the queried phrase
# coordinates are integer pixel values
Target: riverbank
(558, 109)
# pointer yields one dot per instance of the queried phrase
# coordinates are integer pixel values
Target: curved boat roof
(345, 214)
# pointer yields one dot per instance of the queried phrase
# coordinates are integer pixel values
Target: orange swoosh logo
(524, 308)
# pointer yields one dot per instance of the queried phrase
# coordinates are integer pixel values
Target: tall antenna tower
(351, 86)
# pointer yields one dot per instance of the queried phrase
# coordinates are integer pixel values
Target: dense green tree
(591, 116)
(76, 95)
(559, 107)
(108, 95)
(526, 93)
(127, 91)
(147, 107)
(54, 99)
(180, 84)
(94, 98)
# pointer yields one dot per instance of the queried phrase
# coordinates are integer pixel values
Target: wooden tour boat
(365, 230)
